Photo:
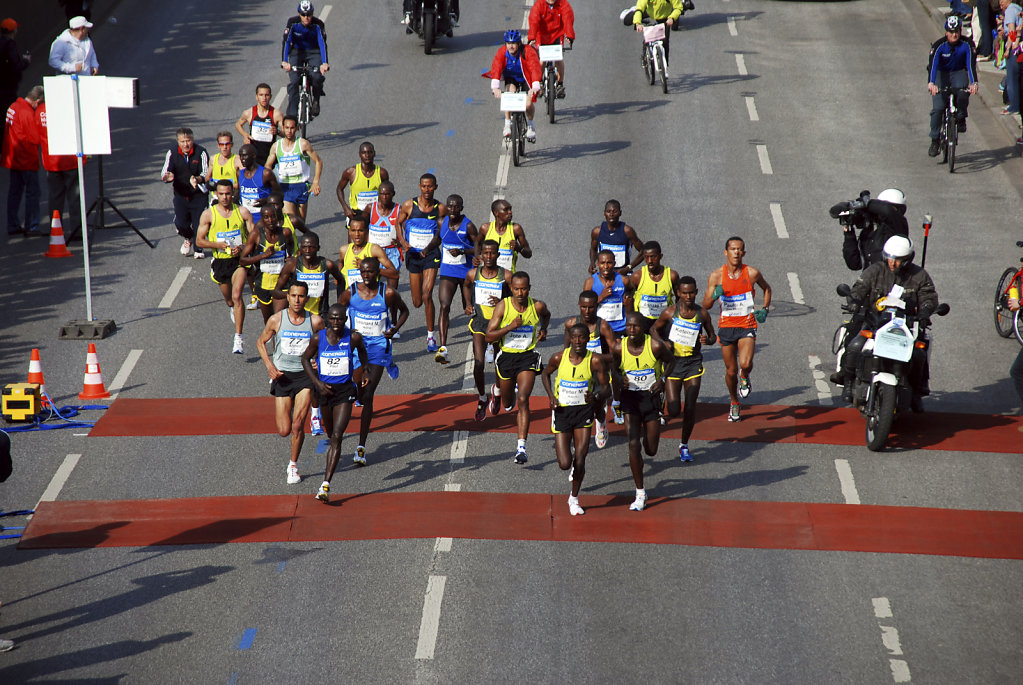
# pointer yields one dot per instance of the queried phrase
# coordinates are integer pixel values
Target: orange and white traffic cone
(58, 248)
(93, 388)
(35, 375)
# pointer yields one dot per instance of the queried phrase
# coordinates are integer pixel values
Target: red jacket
(52, 162)
(548, 23)
(21, 141)
(530, 64)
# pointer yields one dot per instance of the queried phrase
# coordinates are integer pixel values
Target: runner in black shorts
(289, 384)
(419, 238)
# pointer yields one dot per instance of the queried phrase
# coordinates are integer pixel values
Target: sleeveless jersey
(574, 380)
(259, 132)
(640, 370)
(615, 241)
(223, 168)
(227, 229)
(513, 67)
(293, 165)
(270, 267)
(484, 289)
(289, 224)
(369, 317)
(316, 280)
(612, 308)
(334, 362)
(595, 343)
(737, 301)
(291, 341)
(382, 227)
(523, 338)
(457, 239)
(420, 226)
(363, 191)
(684, 334)
(653, 296)
(252, 189)
(350, 265)
(507, 257)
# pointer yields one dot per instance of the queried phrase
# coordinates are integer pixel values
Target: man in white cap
(73, 52)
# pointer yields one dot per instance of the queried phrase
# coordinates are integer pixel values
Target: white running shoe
(488, 358)
(239, 345)
(573, 507)
(199, 254)
(315, 425)
(506, 134)
(442, 355)
(616, 408)
(253, 304)
(324, 492)
(360, 456)
(640, 503)
(530, 134)
(186, 248)
(293, 476)
(231, 309)
(599, 433)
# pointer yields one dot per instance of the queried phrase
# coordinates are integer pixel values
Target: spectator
(61, 177)
(11, 64)
(186, 166)
(21, 156)
(1010, 24)
(73, 51)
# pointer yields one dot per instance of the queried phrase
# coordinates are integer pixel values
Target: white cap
(79, 22)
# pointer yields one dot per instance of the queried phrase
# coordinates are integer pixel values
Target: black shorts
(511, 364)
(418, 262)
(262, 294)
(687, 368)
(290, 384)
(731, 336)
(222, 269)
(567, 419)
(478, 325)
(642, 403)
(343, 392)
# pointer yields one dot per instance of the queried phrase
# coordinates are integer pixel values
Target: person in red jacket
(550, 21)
(518, 66)
(61, 177)
(21, 155)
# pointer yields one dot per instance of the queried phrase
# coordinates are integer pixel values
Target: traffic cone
(93, 387)
(35, 375)
(58, 248)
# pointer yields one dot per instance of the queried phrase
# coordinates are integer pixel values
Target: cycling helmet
(954, 23)
(898, 247)
(305, 8)
(512, 36)
(893, 196)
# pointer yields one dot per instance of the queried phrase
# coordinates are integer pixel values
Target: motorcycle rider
(878, 220)
(408, 6)
(921, 299)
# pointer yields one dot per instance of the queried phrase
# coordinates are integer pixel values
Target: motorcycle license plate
(550, 53)
(514, 102)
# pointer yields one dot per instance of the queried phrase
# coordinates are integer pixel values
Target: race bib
(737, 305)
(640, 379)
(261, 131)
(382, 235)
(572, 393)
(249, 202)
(684, 332)
(593, 344)
(294, 343)
(365, 198)
(314, 282)
(450, 259)
(419, 238)
(487, 294)
(289, 167)
(274, 264)
(619, 253)
(651, 306)
(610, 311)
(505, 257)
(519, 339)
(232, 238)
(369, 325)
(334, 363)
(354, 276)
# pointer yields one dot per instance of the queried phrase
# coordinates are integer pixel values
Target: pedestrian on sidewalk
(21, 155)
(73, 52)
(12, 65)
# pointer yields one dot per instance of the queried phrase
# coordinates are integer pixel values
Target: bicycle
(1008, 322)
(305, 97)
(516, 102)
(948, 134)
(654, 60)
(549, 54)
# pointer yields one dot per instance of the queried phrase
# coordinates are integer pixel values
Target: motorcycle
(431, 18)
(881, 388)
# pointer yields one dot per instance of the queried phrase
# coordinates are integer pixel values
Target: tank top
(654, 296)
(259, 132)
(684, 334)
(252, 189)
(484, 289)
(221, 168)
(573, 380)
(615, 241)
(352, 260)
(420, 226)
(292, 166)
(506, 257)
(316, 280)
(382, 229)
(291, 341)
(363, 191)
(513, 67)
(334, 362)
(288, 224)
(227, 229)
(640, 370)
(523, 338)
(595, 343)
(612, 308)
(369, 317)
(270, 267)
(737, 302)
(457, 239)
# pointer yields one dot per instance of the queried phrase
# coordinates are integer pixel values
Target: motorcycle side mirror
(843, 289)
(942, 309)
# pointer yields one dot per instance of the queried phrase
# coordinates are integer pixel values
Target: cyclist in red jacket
(518, 66)
(550, 21)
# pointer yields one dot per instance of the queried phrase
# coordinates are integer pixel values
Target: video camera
(855, 213)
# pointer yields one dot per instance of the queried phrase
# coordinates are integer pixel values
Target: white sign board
(514, 102)
(550, 53)
(96, 94)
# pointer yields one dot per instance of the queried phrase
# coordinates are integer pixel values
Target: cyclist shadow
(982, 160)
(704, 19)
(687, 83)
(549, 155)
(571, 115)
(335, 139)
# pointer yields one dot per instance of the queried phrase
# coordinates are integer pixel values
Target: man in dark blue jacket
(953, 64)
(305, 42)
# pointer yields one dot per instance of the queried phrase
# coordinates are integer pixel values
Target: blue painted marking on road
(321, 446)
(507, 18)
(233, 678)
(469, 100)
(451, 133)
(247, 638)
(431, 170)
(280, 567)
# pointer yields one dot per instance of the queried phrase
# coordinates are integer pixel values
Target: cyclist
(664, 12)
(518, 66)
(550, 21)
(953, 64)
(305, 42)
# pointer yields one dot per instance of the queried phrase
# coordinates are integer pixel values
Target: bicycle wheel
(303, 112)
(953, 139)
(648, 65)
(1004, 319)
(550, 92)
(1017, 326)
(943, 137)
(429, 31)
(516, 137)
(662, 67)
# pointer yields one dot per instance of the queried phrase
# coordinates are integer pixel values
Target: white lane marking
(890, 639)
(779, 220)
(765, 161)
(459, 441)
(122, 374)
(731, 27)
(525, 20)
(468, 382)
(59, 478)
(822, 385)
(452, 487)
(325, 13)
(442, 545)
(175, 287)
(797, 292)
(900, 670)
(279, 98)
(740, 64)
(430, 622)
(751, 107)
(502, 170)
(80, 435)
(848, 485)
(882, 607)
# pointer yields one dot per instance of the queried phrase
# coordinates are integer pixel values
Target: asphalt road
(776, 111)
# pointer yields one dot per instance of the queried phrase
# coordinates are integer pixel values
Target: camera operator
(876, 219)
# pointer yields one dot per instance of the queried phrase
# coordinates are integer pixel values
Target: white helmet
(893, 196)
(898, 247)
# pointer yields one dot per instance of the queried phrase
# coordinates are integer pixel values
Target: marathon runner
(619, 238)
(419, 237)
(363, 181)
(290, 158)
(487, 284)
(600, 339)
(655, 284)
(264, 123)
(457, 238)
(614, 302)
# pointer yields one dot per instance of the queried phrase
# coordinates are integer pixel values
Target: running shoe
(506, 133)
(639, 504)
(733, 413)
(6, 645)
(231, 310)
(198, 254)
(442, 355)
(488, 358)
(431, 344)
(520, 456)
(239, 344)
(324, 493)
(253, 304)
(396, 336)
(481, 409)
(293, 476)
(360, 456)
(495, 403)
(573, 507)
(616, 407)
(600, 433)
(392, 371)
(316, 426)
(744, 386)
(571, 473)
(683, 453)
(530, 134)
(186, 248)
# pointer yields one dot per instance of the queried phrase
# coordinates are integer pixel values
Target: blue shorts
(297, 193)
(379, 351)
(394, 254)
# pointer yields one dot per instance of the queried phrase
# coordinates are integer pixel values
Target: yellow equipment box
(21, 401)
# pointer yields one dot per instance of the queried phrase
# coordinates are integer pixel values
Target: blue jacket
(306, 38)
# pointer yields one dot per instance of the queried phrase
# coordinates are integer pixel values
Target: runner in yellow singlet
(224, 164)
(363, 181)
(484, 286)
(509, 236)
(359, 248)
(601, 338)
(273, 249)
(654, 285)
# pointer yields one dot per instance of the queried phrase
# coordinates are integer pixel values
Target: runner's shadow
(38, 669)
